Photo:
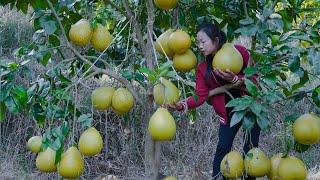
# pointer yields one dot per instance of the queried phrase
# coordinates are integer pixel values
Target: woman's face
(205, 44)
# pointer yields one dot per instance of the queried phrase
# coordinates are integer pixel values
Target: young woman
(210, 39)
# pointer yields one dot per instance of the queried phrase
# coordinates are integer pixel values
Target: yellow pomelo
(317, 120)
(102, 97)
(34, 144)
(45, 160)
(162, 45)
(71, 164)
(162, 126)
(179, 41)
(185, 62)
(122, 100)
(118, 112)
(306, 129)
(159, 93)
(165, 92)
(232, 165)
(81, 32)
(275, 161)
(228, 58)
(292, 168)
(101, 38)
(170, 178)
(90, 142)
(171, 91)
(256, 163)
(166, 4)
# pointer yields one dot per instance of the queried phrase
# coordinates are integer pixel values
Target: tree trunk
(152, 148)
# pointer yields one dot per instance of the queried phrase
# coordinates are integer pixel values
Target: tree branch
(136, 26)
(108, 71)
(149, 50)
(106, 2)
(175, 18)
(153, 148)
(302, 93)
(274, 5)
(245, 3)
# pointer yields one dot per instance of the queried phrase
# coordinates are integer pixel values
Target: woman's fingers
(230, 73)
(227, 75)
(218, 73)
(175, 106)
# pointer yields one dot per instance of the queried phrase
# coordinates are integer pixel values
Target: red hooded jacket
(203, 86)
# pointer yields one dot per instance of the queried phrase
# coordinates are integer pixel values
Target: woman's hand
(176, 106)
(227, 75)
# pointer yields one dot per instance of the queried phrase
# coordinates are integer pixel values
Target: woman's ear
(217, 40)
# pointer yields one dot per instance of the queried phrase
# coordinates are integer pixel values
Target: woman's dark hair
(213, 32)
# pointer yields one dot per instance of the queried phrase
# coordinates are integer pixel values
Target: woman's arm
(225, 88)
(201, 90)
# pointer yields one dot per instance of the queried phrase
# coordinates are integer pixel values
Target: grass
(15, 30)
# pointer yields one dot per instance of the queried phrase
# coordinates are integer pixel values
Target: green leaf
(139, 77)
(22, 5)
(85, 120)
(65, 128)
(246, 21)
(59, 153)
(300, 148)
(263, 123)
(11, 104)
(2, 111)
(240, 104)
(304, 78)
(289, 145)
(237, 117)
(292, 118)
(251, 87)
(39, 114)
(294, 64)
(127, 74)
(270, 80)
(316, 96)
(196, 97)
(165, 66)
(256, 108)
(5, 90)
(275, 24)
(49, 26)
(54, 40)
(12, 65)
(21, 94)
(248, 30)
(44, 58)
(164, 73)
(62, 78)
(38, 4)
(250, 71)
(192, 114)
(56, 144)
(145, 70)
(248, 121)
(151, 75)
